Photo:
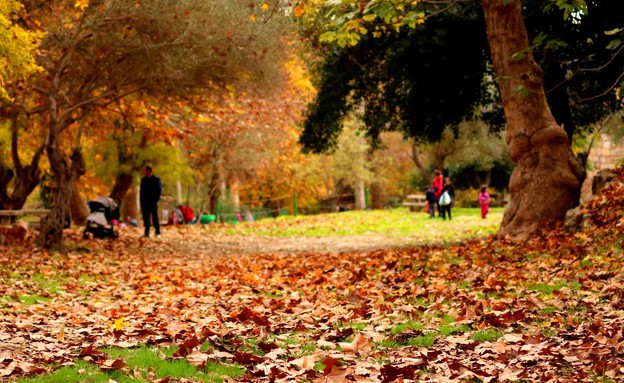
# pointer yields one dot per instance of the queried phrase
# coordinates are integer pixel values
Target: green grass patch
(448, 330)
(358, 326)
(308, 348)
(390, 343)
(487, 335)
(80, 372)
(400, 222)
(548, 310)
(423, 340)
(32, 299)
(143, 360)
(51, 285)
(402, 327)
(549, 289)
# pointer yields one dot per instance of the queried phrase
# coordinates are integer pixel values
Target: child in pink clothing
(484, 201)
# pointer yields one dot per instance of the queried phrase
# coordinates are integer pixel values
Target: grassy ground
(466, 223)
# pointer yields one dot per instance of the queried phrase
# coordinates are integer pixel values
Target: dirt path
(193, 241)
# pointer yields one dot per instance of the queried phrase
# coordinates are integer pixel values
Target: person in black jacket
(448, 188)
(151, 188)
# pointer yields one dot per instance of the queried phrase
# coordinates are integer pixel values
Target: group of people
(441, 195)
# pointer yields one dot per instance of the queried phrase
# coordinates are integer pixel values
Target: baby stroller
(103, 210)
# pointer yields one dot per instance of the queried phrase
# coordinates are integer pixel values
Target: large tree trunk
(547, 180)
(66, 172)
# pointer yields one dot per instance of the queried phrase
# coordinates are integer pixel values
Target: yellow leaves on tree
(16, 47)
(82, 4)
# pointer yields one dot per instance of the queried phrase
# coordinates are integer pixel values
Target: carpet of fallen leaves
(557, 301)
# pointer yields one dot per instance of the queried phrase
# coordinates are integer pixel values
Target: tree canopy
(436, 73)
(417, 81)
(95, 53)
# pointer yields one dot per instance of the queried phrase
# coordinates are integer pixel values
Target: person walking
(438, 185)
(445, 206)
(484, 201)
(151, 188)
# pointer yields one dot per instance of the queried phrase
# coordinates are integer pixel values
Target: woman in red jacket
(438, 187)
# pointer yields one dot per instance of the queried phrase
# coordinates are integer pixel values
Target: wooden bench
(9, 217)
(415, 202)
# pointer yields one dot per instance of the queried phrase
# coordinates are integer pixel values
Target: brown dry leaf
(305, 362)
(112, 364)
(359, 345)
(236, 291)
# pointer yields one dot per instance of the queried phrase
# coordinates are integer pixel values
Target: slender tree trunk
(178, 185)
(547, 180)
(214, 194)
(235, 194)
(360, 195)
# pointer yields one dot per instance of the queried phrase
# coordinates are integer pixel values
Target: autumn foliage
(552, 306)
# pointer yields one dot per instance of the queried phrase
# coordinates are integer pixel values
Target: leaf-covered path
(549, 310)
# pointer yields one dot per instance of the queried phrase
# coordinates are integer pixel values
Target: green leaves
(575, 8)
(347, 21)
(614, 44)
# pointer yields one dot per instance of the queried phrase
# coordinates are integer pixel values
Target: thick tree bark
(66, 171)
(78, 208)
(25, 178)
(547, 180)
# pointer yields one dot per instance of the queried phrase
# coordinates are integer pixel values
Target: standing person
(431, 201)
(450, 190)
(484, 201)
(151, 188)
(438, 185)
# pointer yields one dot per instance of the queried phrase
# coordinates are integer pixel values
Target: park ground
(348, 297)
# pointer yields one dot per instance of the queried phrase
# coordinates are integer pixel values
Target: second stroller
(103, 211)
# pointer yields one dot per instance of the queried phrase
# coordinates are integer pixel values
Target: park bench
(9, 217)
(415, 202)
